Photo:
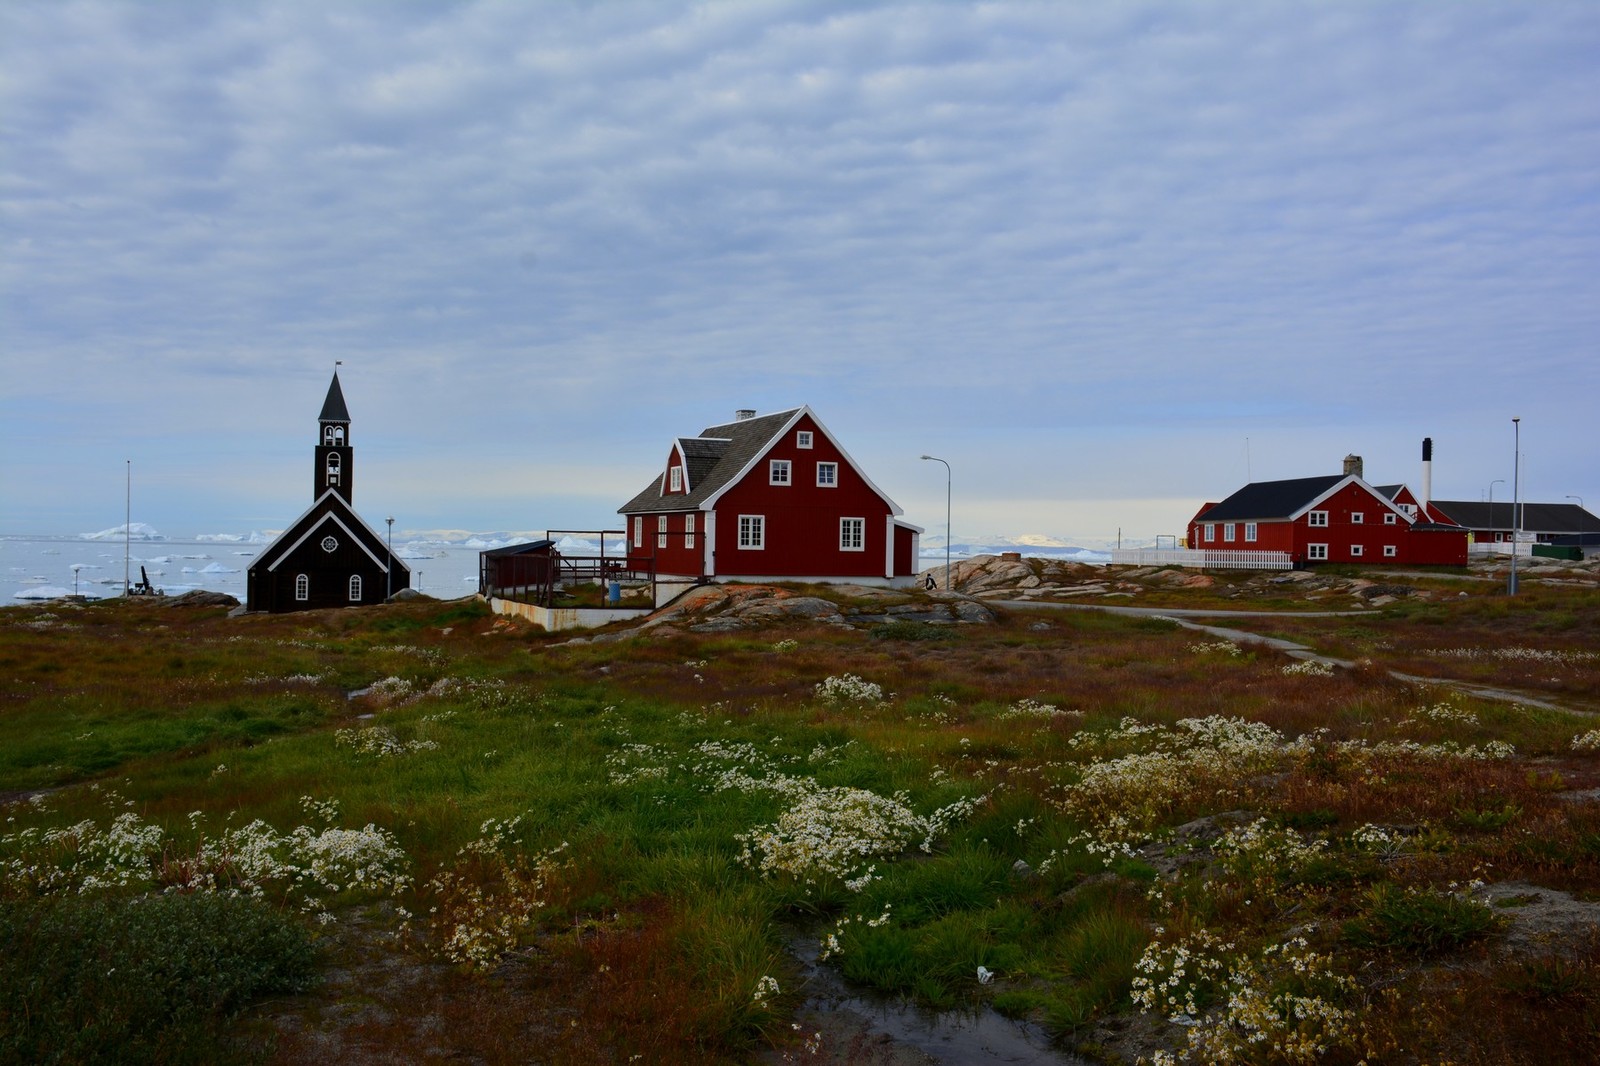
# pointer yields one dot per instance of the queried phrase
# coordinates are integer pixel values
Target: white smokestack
(1427, 470)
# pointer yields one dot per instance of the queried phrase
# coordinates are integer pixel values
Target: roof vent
(744, 414)
(1352, 465)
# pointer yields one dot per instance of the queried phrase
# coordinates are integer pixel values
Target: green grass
(653, 928)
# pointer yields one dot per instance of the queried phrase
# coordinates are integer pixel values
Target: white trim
(758, 525)
(355, 588)
(1229, 531)
(1390, 551)
(783, 466)
(315, 527)
(302, 588)
(674, 478)
(1391, 520)
(1210, 529)
(800, 412)
(821, 484)
(343, 505)
(688, 531)
(802, 439)
(860, 528)
(1312, 518)
(1357, 551)
(1250, 531)
(661, 531)
(1358, 518)
(1317, 553)
(708, 561)
(1338, 486)
(638, 531)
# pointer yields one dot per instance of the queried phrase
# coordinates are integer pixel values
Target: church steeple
(334, 454)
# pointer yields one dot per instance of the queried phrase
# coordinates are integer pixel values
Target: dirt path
(1186, 618)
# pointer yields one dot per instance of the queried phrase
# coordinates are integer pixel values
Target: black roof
(1270, 499)
(333, 408)
(714, 458)
(1536, 517)
(519, 549)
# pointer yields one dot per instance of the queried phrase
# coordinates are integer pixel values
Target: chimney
(1427, 471)
(744, 414)
(1352, 465)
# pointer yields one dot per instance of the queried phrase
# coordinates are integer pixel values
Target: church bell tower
(333, 456)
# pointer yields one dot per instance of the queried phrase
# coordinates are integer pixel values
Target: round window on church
(329, 544)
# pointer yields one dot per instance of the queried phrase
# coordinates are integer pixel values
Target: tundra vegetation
(419, 831)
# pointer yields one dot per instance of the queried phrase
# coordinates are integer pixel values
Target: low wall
(555, 619)
(1203, 559)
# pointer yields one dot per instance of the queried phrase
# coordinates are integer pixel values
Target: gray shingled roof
(333, 408)
(1536, 517)
(715, 458)
(1270, 499)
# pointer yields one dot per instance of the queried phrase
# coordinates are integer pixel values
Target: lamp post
(75, 568)
(388, 568)
(1581, 515)
(936, 459)
(1516, 497)
(1492, 484)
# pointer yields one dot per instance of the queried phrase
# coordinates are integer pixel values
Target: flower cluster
(1218, 647)
(1442, 714)
(833, 832)
(380, 741)
(1308, 668)
(1283, 1000)
(1589, 741)
(1031, 708)
(493, 897)
(301, 868)
(1547, 657)
(848, 688)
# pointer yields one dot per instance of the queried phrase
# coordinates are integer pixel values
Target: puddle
(952, 1037)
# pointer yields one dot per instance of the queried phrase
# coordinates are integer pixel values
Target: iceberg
(217, 568)
(132, 531)
(42, 592)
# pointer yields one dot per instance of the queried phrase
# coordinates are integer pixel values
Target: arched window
(333, 468)
(302, 587)
(328, 437)
(355, 588)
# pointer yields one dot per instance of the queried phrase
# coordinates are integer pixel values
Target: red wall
(802, 520)
(1342, 533)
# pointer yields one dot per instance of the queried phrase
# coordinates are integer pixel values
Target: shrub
(1420, 921)
(149, 979)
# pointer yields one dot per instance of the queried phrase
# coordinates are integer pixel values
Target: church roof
(333, 408)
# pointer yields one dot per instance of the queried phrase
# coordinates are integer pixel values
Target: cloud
(577, 231)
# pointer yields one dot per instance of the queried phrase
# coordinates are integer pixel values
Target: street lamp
(936, 459)
(388, 567)
(1516, 497)
(1492, 484)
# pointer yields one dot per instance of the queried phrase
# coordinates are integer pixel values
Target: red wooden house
(773, 497)
(1338, 518)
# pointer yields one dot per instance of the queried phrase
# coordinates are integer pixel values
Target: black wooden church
(328, 557)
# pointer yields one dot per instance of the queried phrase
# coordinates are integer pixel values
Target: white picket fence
(1202, 560)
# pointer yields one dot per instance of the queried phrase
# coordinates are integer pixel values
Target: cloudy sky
(1109, 259)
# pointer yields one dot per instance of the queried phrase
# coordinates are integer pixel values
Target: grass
(581, 824)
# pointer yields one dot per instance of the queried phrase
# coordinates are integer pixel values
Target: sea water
(43, 567)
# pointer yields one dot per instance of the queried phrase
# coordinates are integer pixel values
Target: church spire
(333, 454)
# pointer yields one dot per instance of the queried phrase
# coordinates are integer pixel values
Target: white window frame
(852, 534)
(779, 472)
(1390, 551)
(333, 468)
(661, 531)
(752, 532)
(1317, 553)
(1358, 518)
(355, 588)
(638, 531)
(1249, 532)
(1228, 530)
(831, 481)
(302, 588)
(1357, 551)
(1390, 518)
(675, 479)
(802, 438)
(688, 531)
(1211, 532)
(1317, 519)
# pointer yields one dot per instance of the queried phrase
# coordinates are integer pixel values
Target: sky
(1110, 260)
